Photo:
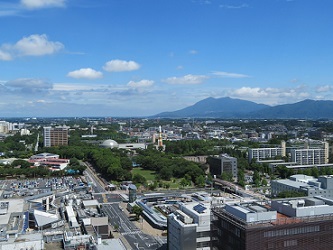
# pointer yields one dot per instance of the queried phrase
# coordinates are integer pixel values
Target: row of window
(292, 231)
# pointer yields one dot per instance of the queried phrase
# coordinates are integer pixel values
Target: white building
(310, 156)
(267, 153)
(310, 186)
(189, 227)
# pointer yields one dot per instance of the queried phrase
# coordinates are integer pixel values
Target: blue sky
(143, 57)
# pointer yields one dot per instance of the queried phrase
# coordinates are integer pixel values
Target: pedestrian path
(132, 232)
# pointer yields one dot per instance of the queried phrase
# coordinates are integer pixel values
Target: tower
(160, 140)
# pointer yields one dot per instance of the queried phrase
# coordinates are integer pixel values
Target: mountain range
(231, 108)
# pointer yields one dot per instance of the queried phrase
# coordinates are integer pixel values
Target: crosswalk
(132, 232)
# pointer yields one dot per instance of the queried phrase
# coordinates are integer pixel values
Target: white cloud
(229, 75)
(28, 85)
(39, 4)
(87, 73)
(4, 56)
(140, 84)
(33, 45)
(120, 65)
(324, 88)
(193, 52)
(37, 45)
(271, 96)
(187, 79)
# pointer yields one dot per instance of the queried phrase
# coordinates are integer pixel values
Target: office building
(223, 164)
(56, 136)
(189, 227)
(296, 224)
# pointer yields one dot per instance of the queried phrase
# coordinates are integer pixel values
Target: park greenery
(151, 168)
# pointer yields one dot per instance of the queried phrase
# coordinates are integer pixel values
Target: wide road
(134, 236)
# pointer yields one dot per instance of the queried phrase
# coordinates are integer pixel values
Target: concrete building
(260, 154)
(189, 227)
(296, 224)
(56, 136)
(310, 186)
(310, 156)
(223, 164)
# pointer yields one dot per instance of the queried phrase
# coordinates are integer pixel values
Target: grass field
(150, 177)
(148, 174)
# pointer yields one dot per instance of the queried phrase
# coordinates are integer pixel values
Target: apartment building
(310, 156)
(260, 154)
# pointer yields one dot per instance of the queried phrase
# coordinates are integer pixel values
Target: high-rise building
(56, 136)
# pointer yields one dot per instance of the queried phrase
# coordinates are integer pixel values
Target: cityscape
(138, 183)
(166, 125)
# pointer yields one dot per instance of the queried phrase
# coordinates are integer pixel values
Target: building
(310, 156)
(132, 190)
(189, 227)
(296, 224)
(56, 136)
(223, 164)
(113, 144)
(260, 154)
(310, 186)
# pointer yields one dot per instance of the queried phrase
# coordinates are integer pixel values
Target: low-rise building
(310, 186)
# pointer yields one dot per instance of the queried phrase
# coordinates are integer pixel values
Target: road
(133, 235)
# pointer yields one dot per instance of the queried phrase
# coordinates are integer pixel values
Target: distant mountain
(235, 108)
(307, 109)
(225, 107)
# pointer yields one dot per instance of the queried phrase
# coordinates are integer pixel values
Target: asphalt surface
(134, 236)
(111, 208)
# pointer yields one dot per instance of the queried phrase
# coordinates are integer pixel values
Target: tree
(241, 177)
(137, 211)
(264, 182)
(256, 179)
(200, 181)
(138, 178)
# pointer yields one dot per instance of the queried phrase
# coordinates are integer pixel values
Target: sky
(133, 58)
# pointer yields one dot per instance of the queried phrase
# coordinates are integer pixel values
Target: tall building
(223, 164)
(296, 224)
(56, 136)
(189, 227)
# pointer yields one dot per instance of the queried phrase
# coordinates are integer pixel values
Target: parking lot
(30, 187)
